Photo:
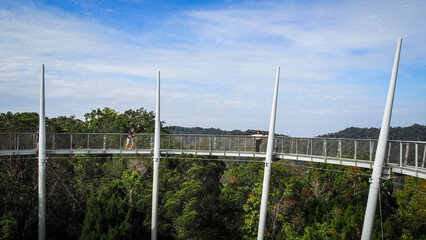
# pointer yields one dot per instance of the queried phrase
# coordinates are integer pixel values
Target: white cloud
(218, 65)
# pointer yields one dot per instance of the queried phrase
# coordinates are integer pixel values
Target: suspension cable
(245, 161)
(405, 186)
(131, 190)
(380, 207)
(69, 192)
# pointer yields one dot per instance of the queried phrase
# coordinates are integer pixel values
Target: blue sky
(218, 60)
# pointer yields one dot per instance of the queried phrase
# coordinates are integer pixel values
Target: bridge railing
(356, 149)
(95, 141)
(404, 153)
(18, 141)
(214, 143)
(407, 153)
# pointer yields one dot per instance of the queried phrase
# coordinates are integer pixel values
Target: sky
(218, 60)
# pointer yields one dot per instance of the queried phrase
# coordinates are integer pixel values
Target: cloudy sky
(218, 60)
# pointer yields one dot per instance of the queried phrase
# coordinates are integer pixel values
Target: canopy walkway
(403, 157)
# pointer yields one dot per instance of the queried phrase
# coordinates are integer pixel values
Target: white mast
(42, 164)
(268, 161)
(156, 164)
(370, 211)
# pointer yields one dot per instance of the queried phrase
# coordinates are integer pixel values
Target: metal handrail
(401, 152)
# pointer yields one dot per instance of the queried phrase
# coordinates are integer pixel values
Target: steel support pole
(156, 164)
(42, 164)
(380, 153)
(268, 162)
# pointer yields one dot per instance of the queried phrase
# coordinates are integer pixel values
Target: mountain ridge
(415, 132)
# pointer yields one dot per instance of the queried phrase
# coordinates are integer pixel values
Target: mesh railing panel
(404, 153)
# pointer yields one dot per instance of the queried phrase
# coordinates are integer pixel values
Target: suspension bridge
(402, 157)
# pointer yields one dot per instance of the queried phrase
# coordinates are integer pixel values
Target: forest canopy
(106, 120)
(109, 196)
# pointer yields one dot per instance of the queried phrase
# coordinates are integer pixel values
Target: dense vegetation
(109, 196)
(97, 121)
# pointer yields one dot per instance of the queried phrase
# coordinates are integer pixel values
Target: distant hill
(415, 132)
(212, 131)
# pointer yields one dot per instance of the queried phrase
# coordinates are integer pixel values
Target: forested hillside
(415, 132)
(109, 196)
(212, 131)
(109, 120)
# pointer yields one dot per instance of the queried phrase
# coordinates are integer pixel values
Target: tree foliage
(190, 199)
(411, 212)
(111, 216)
(19, 122)
(106, 120)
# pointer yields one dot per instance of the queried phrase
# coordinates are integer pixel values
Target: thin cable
(380, 207)
(237, 161)
(281, 163)
(69, 192)
(68, 157)
(245, 161)
(135, 184)
(260, 161)
(323, 169)
(205, 159)
(148, 156)
(404, 186)
(214, 159)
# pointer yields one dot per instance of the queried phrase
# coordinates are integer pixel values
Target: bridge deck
(403, 157)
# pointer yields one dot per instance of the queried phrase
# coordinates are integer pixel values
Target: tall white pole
(42, 164)
(268, 161)
(156, 164)
(370, 211)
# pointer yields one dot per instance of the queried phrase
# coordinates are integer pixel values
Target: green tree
(110, 121)
(63, 124)
(89, 174)
(110, 215)
(284, 197)
(8, 227)
(410, 217)
(238, 183)
(19, 122)
(105, 121)
(18, 199)
(190, 205)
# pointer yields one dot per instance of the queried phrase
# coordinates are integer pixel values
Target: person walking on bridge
(131, 139)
